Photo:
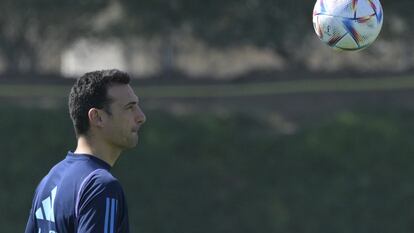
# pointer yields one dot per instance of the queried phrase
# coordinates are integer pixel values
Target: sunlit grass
(229, 90)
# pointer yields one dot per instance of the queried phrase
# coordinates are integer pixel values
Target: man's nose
(140, 117)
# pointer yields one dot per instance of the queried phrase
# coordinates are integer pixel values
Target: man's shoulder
(96, 190)
(97, 185)
(81, 170)
(101, 179)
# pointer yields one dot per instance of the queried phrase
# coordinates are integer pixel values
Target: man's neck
(98, 149)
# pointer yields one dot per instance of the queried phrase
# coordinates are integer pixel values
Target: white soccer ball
(347, 24)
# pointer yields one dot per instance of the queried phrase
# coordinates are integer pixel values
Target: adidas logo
(47, 204)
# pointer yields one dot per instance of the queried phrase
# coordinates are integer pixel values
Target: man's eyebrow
(131, 103)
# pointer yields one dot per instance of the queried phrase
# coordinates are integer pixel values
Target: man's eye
(132, 106)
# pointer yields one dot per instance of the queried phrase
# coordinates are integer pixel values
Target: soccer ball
(348, 25)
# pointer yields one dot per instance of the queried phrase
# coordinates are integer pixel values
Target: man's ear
(95, 117)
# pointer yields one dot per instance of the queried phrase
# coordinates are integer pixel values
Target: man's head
(102, 104)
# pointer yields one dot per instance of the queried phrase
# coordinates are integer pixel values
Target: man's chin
(133, 143)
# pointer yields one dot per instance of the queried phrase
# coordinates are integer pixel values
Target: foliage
(30, 29)
(234, 173)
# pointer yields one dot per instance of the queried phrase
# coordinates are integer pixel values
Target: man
(79, 194)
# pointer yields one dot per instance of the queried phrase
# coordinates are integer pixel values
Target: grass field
(207, 172)
(229, 90)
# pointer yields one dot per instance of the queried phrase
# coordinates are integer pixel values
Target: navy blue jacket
(80, 195)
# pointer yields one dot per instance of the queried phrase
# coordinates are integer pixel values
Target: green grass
(18, 90)
(230, 90)
(284, 87)
(233, 173)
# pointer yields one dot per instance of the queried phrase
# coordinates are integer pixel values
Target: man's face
(125, 118)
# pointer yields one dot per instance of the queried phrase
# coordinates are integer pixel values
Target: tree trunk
(21, 58)
(167, 57)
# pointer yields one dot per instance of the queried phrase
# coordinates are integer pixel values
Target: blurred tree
(398, 19)
(30, 28)
(27, 27)
(278, 25)
(157, 19)
(281, 25)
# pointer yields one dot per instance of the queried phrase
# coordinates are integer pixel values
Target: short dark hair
(90, 91)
